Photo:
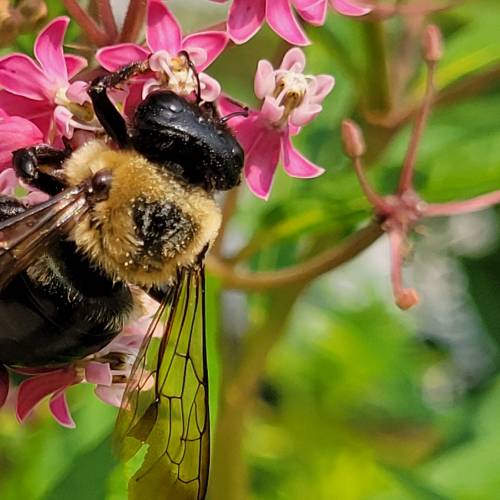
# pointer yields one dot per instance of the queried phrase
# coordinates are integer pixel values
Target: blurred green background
(325, 390)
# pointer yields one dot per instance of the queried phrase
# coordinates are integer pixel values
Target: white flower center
(174, 72)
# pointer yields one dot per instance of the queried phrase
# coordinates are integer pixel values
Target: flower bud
(352, 138)
(432, 43)
(407, 298)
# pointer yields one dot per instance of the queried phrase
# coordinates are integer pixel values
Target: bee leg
(9, 207)
(41, 167)
(109, 117)
(158, 293)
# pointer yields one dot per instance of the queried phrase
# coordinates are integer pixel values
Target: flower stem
(303, 272)
(228, 209)
(373, 197)
(88, 25)
(134, 20)
(406, 178)
(377, 86)
(107, 19)
(462, 207)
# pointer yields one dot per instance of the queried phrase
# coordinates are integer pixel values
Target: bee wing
(164, 420)
(25, 236)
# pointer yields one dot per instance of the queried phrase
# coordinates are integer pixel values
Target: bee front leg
(41, 167)
(110, 118)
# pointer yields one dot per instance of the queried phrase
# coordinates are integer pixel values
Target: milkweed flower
(166, 43)
(290, 100)
(246, 17)
(41, 91)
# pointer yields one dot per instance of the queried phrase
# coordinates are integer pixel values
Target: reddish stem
(404, 297)
(107, 19)
(462, 207)
(406, 178)
(88, 25)
(134, 20)
(373, 197)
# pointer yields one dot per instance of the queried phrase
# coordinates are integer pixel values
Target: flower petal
(227, 106)
(294, 60)
(16, 133)
(63, 117)
(271, 111)
(60, 410)
(261, 162)
(282, 20)
(245, 19)
(77, 92)
(163, 32)
(111, 395)
(74, 64)
(304, 114)
(210, 87)
(314, 12)
(33, 390)
(213, 42)
(20, 75)
(264, 81)
(4, 385)
(323, 86)
(8, 183)
(49, 49)
(98, 373)
(349, 8)
(36, 197)
(295, 164)
(116, 56)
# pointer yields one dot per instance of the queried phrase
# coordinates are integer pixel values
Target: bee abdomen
(163, 229)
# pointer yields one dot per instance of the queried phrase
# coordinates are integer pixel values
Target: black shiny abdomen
(52, 322)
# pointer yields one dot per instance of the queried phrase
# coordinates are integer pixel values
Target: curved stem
(107, 19)
(134, 20)
(304, 272)
(406, 178)
(461, 207)
(88, 25)
(377, 86)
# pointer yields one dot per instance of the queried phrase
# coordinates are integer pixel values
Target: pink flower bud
(432, 43)
(407, 298)
(352, 137)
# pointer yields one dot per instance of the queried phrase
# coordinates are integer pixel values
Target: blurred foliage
(358, 401)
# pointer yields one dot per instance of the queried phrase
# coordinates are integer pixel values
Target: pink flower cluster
(246, 17)
(44, 100)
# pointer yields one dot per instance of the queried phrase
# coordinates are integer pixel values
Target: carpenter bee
(136, 208)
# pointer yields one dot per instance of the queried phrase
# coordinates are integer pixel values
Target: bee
(135, 207)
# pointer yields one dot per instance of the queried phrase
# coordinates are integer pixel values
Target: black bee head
(188, 139)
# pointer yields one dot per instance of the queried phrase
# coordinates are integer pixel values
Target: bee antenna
(195, 73)
(244, 112)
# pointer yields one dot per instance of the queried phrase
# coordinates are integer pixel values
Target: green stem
(229, 471)
(377, 87)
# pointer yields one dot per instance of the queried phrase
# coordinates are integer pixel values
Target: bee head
(189, 139)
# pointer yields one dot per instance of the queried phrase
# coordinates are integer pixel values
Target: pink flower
(53, 383)
(247, 16)
(40, 91)
(290, 101)
(165, 42)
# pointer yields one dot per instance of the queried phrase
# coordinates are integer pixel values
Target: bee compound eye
(101, 184)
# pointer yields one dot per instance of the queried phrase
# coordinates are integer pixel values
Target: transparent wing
(24, 237)
(163, 425)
